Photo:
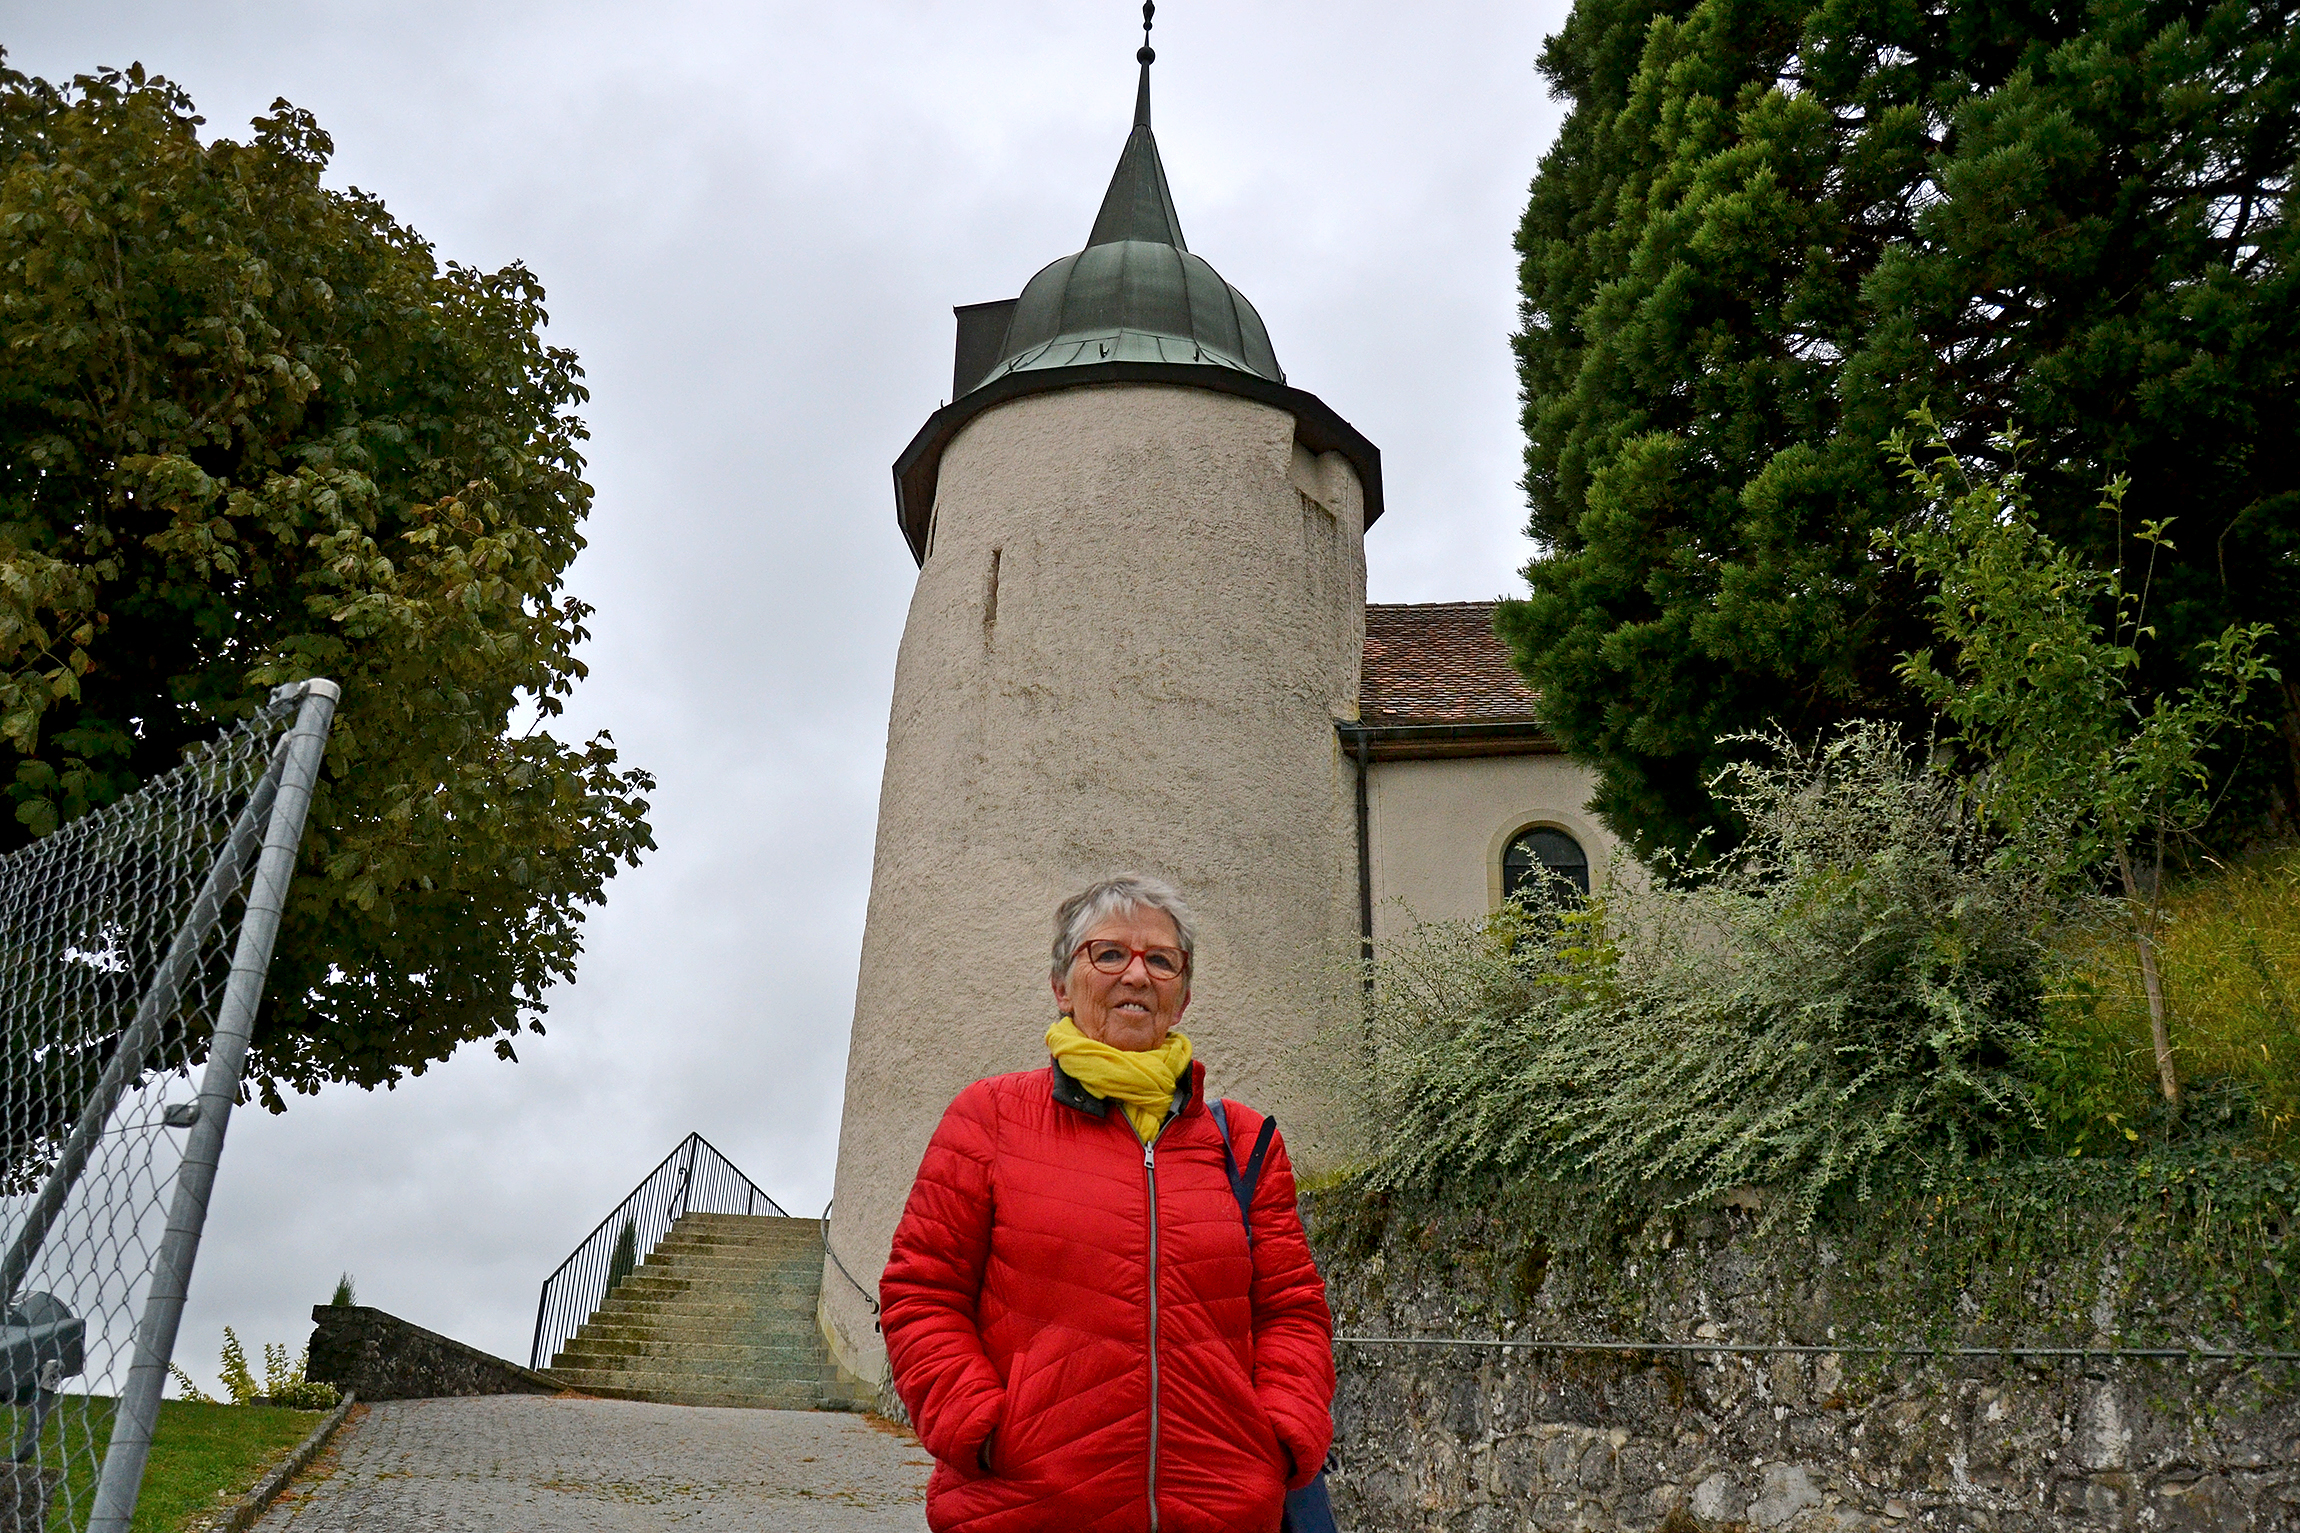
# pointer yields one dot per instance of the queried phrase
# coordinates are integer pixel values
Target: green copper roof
(1134, 294)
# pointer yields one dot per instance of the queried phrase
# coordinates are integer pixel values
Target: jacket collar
(1070, 1094)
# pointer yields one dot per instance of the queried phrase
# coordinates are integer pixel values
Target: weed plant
(284, 1382)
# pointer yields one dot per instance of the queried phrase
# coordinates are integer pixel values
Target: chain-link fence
(133, 945)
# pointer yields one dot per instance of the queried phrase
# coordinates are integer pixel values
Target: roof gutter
(1408, 742)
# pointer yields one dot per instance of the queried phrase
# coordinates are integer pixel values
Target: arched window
(1542, 854)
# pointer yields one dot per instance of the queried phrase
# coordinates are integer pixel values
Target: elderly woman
(1092, 1324)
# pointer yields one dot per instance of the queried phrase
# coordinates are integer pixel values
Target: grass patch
(2231, 961)
(203, 1457)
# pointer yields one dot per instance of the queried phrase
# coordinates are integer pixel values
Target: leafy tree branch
(252, 430)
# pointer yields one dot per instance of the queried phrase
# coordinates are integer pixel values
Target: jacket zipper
(1150, 1175)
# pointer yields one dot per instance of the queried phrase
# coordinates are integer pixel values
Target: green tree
(250, 431)
(2041, 692)
(1768, 229)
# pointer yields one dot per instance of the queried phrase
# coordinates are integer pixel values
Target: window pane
(1540, 854)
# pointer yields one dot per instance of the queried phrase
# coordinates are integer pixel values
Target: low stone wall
(1480, 1441)
(376, 1356)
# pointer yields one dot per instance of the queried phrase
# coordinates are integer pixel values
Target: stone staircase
(721, 1313)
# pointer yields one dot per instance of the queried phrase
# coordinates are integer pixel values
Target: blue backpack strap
(1309, 1509)
(1243, 1183)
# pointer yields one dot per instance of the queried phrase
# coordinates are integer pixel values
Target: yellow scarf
(1141, 1083)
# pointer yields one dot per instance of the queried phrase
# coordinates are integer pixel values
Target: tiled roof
(1439, 663)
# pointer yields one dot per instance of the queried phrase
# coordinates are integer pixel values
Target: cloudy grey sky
(753, 221)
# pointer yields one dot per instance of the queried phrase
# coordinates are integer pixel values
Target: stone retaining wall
(376, 1356)
(1481, 1441)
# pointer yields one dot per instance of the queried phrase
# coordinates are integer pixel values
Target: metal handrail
(868, 1297)
(693, 1179)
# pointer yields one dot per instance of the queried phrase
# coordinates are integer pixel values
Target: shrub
(234, 1372)
(1857, 987)
(624, 1260)
(345, 1294)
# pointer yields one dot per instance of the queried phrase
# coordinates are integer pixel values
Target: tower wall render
(1142, 608)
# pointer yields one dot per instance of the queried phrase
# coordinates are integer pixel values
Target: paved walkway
(527, 1464)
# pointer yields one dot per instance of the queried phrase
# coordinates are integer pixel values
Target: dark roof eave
(1425, 742)
(1316, 425)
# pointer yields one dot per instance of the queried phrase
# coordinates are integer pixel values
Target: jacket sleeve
(1293, 1328)
(932, 1286)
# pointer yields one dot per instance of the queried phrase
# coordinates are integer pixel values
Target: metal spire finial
(1144, 56)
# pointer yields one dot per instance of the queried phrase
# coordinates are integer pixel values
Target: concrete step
(764, 1232)
(581, 1373)
(806, 1397)
(640, 1311)
(792, 1243)
(709, 1381)
(793, 1233)
(733, 1259)
(732, 1345)
(753, 1331)
(789, 1250)
(799, 1330)
(634, 1291)
(675, 1290)
(701, 1221)
(709, 1357)
(684, 1276)
(727, 1266)
(729, 1321)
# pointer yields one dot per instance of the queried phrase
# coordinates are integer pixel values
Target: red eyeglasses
(1109, 957)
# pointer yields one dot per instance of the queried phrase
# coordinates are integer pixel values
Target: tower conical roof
(1135, 293)
(1139, 204)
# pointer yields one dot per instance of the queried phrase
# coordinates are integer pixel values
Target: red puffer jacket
(1091, 1310)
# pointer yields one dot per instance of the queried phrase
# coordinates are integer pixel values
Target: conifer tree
(1771, 228)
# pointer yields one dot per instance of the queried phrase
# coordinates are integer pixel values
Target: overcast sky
(753, 221)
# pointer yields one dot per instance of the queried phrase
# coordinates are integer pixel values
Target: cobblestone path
(526, 1464)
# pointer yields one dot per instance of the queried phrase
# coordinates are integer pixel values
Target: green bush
(1855, 992)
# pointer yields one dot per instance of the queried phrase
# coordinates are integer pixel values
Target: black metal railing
(693, 1179)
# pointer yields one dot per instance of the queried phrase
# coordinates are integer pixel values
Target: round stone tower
(1140, 611)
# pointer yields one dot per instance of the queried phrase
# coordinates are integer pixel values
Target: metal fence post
(139, 1406)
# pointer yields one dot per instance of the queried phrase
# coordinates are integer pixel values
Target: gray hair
(1128, 892)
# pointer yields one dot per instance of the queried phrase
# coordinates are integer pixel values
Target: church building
(1140, 642)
